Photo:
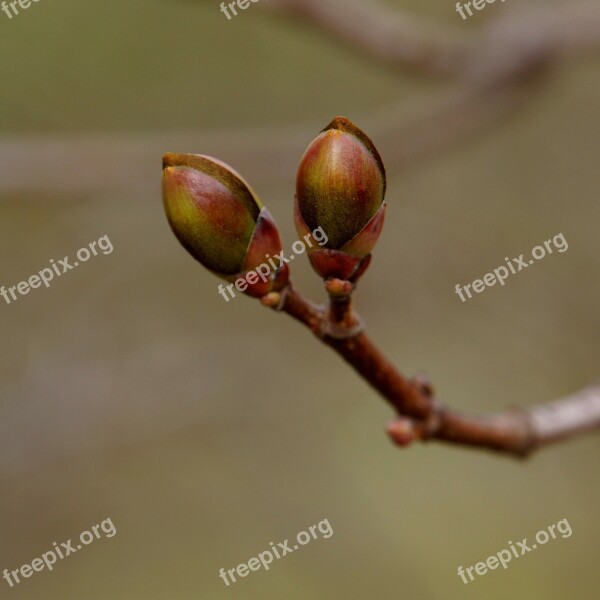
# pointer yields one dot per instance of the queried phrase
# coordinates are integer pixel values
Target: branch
(496, 67)
(404, 41)
(383, 34)
(420, 414)
(491, 69)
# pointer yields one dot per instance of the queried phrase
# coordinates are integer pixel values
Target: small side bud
(271, 300)
(338, 288)
(402, 431)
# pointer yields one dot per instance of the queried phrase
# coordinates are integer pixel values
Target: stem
(516, 432)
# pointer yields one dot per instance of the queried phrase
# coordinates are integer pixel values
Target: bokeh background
(129, 389)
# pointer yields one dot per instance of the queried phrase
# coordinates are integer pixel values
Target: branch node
(342, 331)
(428, 427)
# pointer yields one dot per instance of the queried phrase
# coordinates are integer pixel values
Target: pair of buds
(221, 222)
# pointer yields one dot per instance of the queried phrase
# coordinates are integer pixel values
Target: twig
(422, 416)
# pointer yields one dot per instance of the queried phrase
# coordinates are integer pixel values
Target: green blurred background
(129, 389)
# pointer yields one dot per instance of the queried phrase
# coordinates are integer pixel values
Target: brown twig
(422, 416)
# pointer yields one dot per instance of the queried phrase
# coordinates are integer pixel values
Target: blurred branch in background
(508, 44)
(490, 74)
(385, 35)
(493, 70)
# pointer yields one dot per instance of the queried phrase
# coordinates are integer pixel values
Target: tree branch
(400, 40)
(490, 69)
(495, 67)
(383, 34)
(422, 416)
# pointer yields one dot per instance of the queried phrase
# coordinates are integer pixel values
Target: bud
(402, 431)
(340, 187)
(219, 220)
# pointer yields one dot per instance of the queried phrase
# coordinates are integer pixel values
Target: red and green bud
(220, 221)
(340, 187)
